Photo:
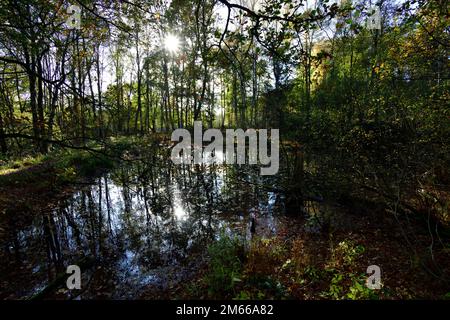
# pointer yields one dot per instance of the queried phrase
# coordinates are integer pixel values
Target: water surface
(143, 227)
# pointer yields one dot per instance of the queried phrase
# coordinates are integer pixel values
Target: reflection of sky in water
(178, 208)
(270, 220)
(138, 220)
(216, 157)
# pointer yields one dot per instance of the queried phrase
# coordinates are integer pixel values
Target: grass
(33, 181)
(82, 163)
(72, 162)
(66, 166)
(14, 165)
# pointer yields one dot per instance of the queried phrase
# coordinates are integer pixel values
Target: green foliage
(267, 286)
(312, 273)
(68, 174)
(336, 288)
(347, 252)
(358, 290)
(345, 284)
(83, 163)
(12, 165)
(121, 144)
(243, 295)
(225, 266)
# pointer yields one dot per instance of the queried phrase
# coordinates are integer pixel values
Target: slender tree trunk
(32, 88)
(3, 145)
(99, 92)
(139, 87)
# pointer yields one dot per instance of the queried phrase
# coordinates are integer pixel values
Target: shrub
(226, 259)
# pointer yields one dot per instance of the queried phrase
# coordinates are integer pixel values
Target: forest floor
(297, 264)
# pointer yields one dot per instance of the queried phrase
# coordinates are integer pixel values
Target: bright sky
(172, 43)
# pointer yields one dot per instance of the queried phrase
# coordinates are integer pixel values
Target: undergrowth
(278, 269)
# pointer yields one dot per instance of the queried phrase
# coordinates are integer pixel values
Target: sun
(172, 43)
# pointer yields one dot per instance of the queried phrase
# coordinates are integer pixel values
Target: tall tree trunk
(139, 87)
(3, 145)
(32, 88)
(40, 107)
(99, 92)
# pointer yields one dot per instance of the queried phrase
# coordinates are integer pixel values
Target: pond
(143, 227)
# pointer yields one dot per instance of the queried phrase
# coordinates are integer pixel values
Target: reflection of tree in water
(136, 222)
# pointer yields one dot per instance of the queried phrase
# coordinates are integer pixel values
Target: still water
(141, 228)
